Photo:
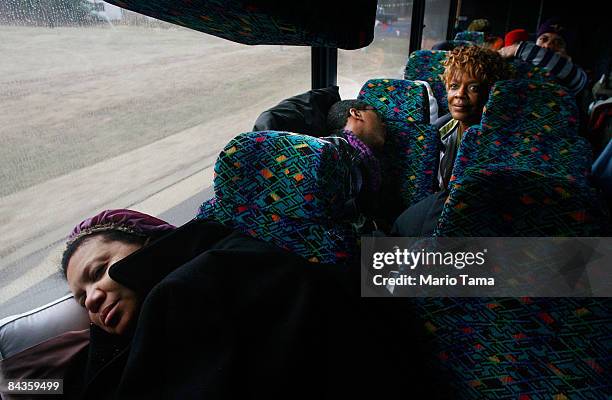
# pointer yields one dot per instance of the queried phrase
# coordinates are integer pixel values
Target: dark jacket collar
(146, 267)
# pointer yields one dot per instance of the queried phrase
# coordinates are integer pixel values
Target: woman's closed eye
(81, 299)
(98, 272)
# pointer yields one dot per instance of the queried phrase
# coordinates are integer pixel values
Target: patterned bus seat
(471, 36)
(410, 156)
(287, 189)
(527, 125)
(502, 201)
(562, 156)
(524, 348)
(526, 70)
(426, 65)
(253, 22)
(520, 348)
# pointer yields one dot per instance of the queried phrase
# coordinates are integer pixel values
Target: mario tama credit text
(474, 267)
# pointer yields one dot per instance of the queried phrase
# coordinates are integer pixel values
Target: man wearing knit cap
(554, 35)
(550, 53)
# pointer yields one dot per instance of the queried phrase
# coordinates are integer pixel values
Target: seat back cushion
(519, 348)
(51, 359)
(397, 99)
(471, 36)
(410, 155)
(426, 65)
(285, 188)
(22, 331)
(532, 107)
(507, 202)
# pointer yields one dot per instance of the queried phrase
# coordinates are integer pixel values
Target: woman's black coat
(228, 316)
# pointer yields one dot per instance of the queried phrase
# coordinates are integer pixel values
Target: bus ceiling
(324, 25)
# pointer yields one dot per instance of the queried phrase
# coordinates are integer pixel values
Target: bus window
(385, 57)
(104, 108)
(436, 22)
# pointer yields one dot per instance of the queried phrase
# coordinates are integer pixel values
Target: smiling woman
(469, 74)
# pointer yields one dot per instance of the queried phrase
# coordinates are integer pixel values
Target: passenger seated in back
(469, 74)
(363, 129)
(550, 52)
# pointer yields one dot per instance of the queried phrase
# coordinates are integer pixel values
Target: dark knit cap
(558, 26)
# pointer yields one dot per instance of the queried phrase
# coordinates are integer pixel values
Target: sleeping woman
(202, 311)
(191, 312)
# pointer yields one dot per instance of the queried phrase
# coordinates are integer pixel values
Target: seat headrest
(526, 70)
(559, 155)
(397, 99)
(511, 202)
(22, 331)
(471, 36)
(287, 189)
(426, 65)
(530, 107)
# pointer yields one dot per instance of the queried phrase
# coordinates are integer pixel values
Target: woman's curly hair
(483, 64)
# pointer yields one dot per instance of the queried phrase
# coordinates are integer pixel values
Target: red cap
(517, 35)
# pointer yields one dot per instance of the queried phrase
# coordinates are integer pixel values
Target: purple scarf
(370, 163)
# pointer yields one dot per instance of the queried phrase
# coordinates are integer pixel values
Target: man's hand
(509, 51)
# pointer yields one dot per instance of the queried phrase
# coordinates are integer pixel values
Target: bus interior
(128, 104)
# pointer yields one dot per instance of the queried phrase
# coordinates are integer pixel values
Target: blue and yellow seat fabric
(410, 157)
(314, 23)
(287, 189)
(526, 125)
(526, 70)
(471, 36)
(426, 65)
(502, 201)
(522, 348)
(527, 140)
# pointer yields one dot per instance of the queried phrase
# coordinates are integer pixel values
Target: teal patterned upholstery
(314, 23)
(471, 36)
(522, 173)
(548, 154)
(397, 100)
(526, 106)
(521, 348)
(457, 43)
(411, 160)
(527, 140)
(527, 125)
(506, 201)
(526, 70)
(426, 65)
(412, 145)
(287, 189)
